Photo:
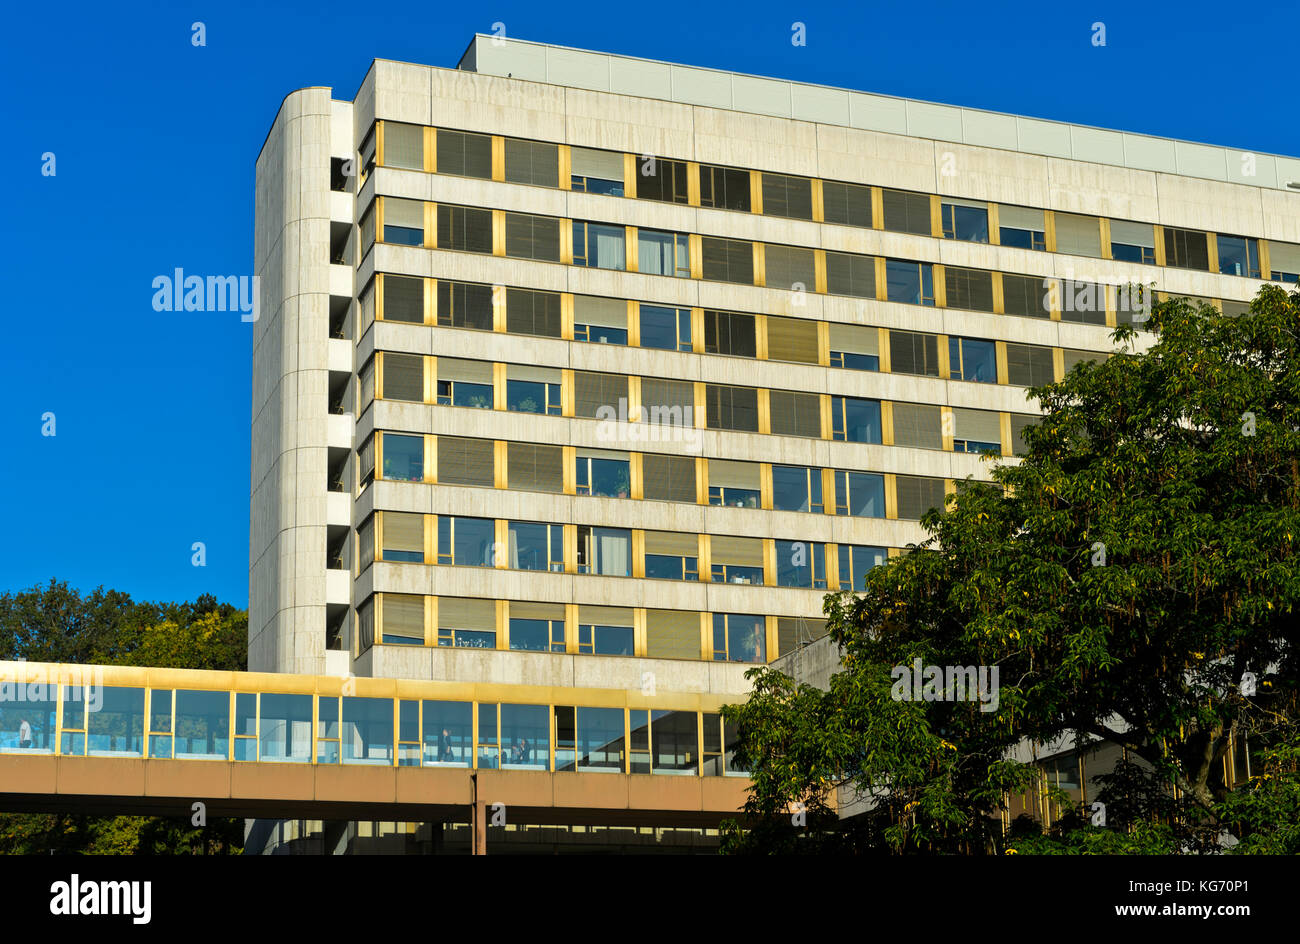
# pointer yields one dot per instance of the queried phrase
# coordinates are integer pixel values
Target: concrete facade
(313, 419)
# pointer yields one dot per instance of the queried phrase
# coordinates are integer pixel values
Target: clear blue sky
(155, 142)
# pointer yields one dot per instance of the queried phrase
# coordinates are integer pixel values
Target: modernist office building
(585, 377)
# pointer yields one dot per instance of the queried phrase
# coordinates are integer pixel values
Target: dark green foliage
(1183, 460)
(56, 623)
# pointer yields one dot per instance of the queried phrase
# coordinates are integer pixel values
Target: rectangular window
(976, 431)
(850, 274)
(917, 425)
(467, 229)
(533, 313)
(532, 237)
(463, 154)
(367, 152)
(525, 734)
(1019, 422)
(403, 457)
(599, 320)
(449, 729)
(404, 538)
(603, 474)
(535, 546)
(789, 268)
(403, 222)
(727, 260)
(734, 484)
(537, 627)
(403, 145)
(736, 560)
(605, 639)
(464, 305)
(673, 634)
(733, 408)
(366, 462)
(672, 555)
(849, 204)
(911, 283)
(795, 632)
(403, 377)
(1083, 302)
(917, 495)
(971, 289)
(669, 478)
(596, 171)
(464, 461)
(1186, 249)
(1239, 255)
(1025, 295)
(911, 352)
(860, 494)
(1284, 261)
(855, 347)
(366, 544)
(795, 414)
(965, 220)
(855, 561)
(797, 488)
(533, 390)
(724, 188)
(855, 420)
(464, 383)
(466, 623)
(604, 551)
(1022, 228)
(592, 391)
(367, 225)
(801, 564)
(792, 339)
(403, 299)
(661, 179)
(787, 196)
(535, 468)
(973, 360)
(599, 246)
(466, 542)
(660, 253)
(532, 162)
(739, 638)
(403, 619)
(667, 329)
(1133, 242)
(731, 333)
(1029, 365)
(907, 212)
(668, 404)
(1078, 235)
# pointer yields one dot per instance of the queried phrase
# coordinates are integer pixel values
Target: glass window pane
(284, 732)
(115, 722)
(367, 730)
(403, 458)
(448, 733)
(202, 724)
(525, 737)
(674, 742)
(29, 724)
(600, 739)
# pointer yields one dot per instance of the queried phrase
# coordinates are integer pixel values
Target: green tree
(56, 623)
(1129, 578)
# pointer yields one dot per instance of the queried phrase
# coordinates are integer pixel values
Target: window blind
(605, 312)
(855, 339)
(792, 339)
(605, 165)
(917, 424)
(465, 613)
(403, 145)
(464, 461)
(534, 467)
(1078, 235)
(733, 474)
(450, 368)
(672, 634)
(403, 532)
(795, 414)
(669, 478)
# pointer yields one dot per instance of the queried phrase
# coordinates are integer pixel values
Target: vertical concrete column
(287, 528)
